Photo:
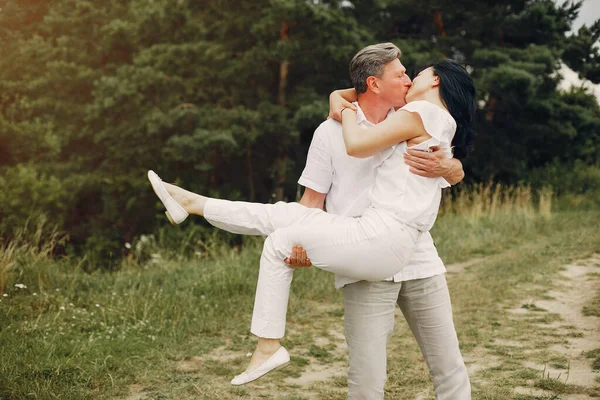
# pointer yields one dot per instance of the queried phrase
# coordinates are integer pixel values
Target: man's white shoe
(175, 213)
(280, 358)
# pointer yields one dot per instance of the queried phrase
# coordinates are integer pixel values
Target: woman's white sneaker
(278, 359)
(175, 213)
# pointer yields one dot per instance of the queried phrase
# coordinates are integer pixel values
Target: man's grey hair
(371, 61)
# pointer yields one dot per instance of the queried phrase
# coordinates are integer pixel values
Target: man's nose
(408, 82)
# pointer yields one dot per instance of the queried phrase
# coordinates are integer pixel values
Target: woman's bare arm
(347, 94)
(362, 143)
(340, 99)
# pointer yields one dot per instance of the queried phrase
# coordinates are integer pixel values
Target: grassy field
(177, 328)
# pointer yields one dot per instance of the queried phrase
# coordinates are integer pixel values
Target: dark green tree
(223, 96)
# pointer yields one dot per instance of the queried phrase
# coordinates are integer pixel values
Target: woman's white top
(413, 199)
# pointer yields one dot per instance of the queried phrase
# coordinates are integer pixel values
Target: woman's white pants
(372, 247)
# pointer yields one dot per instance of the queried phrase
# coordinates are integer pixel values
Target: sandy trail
(571, 291)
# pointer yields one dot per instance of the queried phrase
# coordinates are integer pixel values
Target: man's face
(394, 84)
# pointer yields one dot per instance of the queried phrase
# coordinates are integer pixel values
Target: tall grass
(22, 256)
(80, 335)
(490, 199)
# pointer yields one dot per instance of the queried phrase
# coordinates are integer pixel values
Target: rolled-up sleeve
(318, 172)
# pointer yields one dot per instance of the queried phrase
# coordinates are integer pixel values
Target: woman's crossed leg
(372, 248)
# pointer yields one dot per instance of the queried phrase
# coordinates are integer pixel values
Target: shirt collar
(361, 118)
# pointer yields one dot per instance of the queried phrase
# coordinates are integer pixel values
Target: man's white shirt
(347, 180)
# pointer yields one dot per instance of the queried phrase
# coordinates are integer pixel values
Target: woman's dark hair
(457, 91)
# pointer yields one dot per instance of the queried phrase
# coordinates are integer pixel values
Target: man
(420, 289)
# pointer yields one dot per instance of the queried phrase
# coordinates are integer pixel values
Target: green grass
(106, 335)
(595, 355)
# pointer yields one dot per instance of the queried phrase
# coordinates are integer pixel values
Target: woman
(440, 110)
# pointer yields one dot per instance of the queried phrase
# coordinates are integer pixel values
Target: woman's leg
(348, 248)
(261, 219)
(248, 218)
(371, 248)
(366, 249)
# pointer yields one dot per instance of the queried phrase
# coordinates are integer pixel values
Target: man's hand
(298, 258)
(434, 165)
(430, 165)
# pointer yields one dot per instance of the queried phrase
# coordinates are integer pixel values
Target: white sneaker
(175, 213)
(280, 358)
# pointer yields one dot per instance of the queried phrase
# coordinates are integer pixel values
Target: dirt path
(558, 352)
(557, 358)
(576, 289)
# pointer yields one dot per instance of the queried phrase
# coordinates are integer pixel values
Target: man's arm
(434, 165)
(313, 199)
(317, 178)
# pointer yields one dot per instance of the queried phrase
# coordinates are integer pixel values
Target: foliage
(223, 96)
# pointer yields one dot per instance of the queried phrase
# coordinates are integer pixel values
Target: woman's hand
(336, 104)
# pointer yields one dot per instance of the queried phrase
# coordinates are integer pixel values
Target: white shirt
(347, 182)
(413, 199)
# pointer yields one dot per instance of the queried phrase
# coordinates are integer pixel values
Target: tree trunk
(281, 164)
(249, 168)
(437, 19)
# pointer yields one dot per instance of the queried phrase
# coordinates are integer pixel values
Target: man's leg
(426, 306)
(368, 326)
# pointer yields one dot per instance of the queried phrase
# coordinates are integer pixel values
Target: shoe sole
(282, 366)
(169, 217)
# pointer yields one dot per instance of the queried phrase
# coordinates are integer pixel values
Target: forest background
(223, 96)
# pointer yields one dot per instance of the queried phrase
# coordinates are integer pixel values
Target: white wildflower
(20, 286)
(5, 295)
(34, 293)
(71, 305)
(97, 305)
(58, 290)
(128, 245)
(62, 308)
(249, 354)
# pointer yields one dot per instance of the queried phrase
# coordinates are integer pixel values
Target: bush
(575, 185)
(26, 193)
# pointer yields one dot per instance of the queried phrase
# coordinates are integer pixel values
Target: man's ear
(372, 84)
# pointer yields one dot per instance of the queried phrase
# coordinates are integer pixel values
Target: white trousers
(370, 248)
(369, 324)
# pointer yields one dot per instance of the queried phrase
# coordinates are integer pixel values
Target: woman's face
(421, 84)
